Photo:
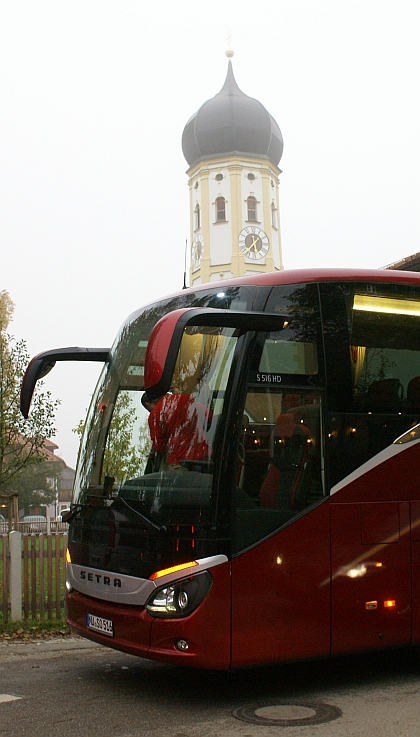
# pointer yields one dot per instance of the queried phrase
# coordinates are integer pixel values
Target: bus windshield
(152, 464)
(171, 452)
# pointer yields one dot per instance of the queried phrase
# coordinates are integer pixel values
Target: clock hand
(255, 240)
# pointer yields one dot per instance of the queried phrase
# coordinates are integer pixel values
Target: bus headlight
(180, 598)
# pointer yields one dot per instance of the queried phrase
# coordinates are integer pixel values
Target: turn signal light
(68, 556)
(389, 603)
(173, 569)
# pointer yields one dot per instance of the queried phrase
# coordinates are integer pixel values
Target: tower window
(251, 176)
(251, 209)
(219, 177)
(273, 215)
(197, 214)
(220, 209)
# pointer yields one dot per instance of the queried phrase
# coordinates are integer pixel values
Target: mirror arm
(208, 317)
(42, 364)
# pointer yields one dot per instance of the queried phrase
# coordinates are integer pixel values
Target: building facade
(233, 147)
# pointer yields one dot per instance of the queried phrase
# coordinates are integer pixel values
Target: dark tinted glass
(372, 340)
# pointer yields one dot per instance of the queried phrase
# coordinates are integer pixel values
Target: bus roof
(292, 276)
(295, 276)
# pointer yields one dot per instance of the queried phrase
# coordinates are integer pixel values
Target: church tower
(233, 147)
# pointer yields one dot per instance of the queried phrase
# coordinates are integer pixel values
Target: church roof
(231, 123)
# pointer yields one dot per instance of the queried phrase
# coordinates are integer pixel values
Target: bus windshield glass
(158, 457)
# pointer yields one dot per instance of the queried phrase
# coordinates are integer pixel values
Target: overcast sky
(94, 96)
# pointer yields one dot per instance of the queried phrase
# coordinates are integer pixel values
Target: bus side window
(287, 483)
(413, 395)
(385, 395)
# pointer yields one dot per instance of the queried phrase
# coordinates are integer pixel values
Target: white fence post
(15, 547)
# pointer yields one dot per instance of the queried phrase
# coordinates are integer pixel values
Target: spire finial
(229, 53)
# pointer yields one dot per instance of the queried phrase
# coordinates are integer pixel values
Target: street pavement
(74, 688)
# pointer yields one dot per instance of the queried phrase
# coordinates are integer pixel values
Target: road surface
(73, 688)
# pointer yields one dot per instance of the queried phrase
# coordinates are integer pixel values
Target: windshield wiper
(74, 511)
(149, 523)
(70, 515)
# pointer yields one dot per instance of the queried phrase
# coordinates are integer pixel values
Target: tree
(37, 483)
(128, 444)
(21, 441)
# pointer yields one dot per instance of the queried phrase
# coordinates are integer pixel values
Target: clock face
(253, 243)
(197, 251)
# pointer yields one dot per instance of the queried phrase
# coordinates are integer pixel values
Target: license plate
(99, 624)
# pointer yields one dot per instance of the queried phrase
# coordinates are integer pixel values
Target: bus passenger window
(383, 324)
(413, 395)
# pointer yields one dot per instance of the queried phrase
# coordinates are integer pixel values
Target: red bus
(287, 526)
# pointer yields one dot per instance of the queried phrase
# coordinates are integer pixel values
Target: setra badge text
(99, 578)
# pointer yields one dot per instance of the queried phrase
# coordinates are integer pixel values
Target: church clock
(197, 251)
(253, 243)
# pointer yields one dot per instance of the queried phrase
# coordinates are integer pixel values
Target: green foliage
(38, 483)
(128, 443)
(21, 441)
(122, 459)
(377, 366)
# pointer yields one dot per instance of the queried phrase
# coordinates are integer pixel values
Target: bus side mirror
(165, 339)
(42, 364)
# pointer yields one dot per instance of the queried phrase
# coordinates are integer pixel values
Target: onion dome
(231, 123)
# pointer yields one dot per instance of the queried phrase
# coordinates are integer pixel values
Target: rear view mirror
(42, 364)
(165, 338)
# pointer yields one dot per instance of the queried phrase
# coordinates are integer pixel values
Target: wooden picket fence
(42, 577)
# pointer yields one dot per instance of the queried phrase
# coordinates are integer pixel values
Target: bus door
(375, 554)
(280, 528)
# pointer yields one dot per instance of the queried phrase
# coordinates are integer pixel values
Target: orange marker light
(173, 569)
(68, 556)
(389, 603)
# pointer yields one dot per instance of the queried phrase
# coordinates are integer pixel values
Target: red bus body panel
(371, 566)
(343, 577)
(300, 276)
(132, 625)
(281, 594)
(158, 346)
(415, 566)
(281, 589)
(375, 577)
(207, 630)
